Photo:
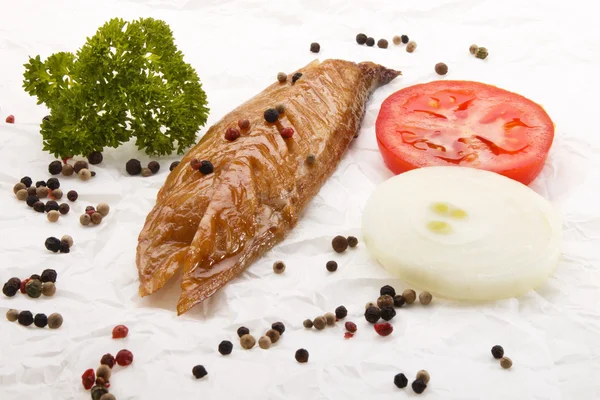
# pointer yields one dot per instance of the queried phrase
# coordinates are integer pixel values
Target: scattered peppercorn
(104, 372)
(39, 206)
(96, 218)
(352, 241)
(279, 327)
(55, 321)
(52, 215)
(505, 362)
(23, 284)
(497, 352)
(40, 320)
(31, 190)
(350, 326)
(108, 396)
(90, 209)
(42, 192)
(441, 68)
(33, 288)
(225, 347)
(320, 322)
(399, 301)
(72, 195)
(370, 304)
(52, 244)
(52, 205)
(48, 289)
(278, 267)
(64, 248)
(195, 164)
(133, 167)
(55, 167)
(57, 194)
(108, 360)
(35, 276)
(282, 77)
(382, 44)
(372, 314)
(341, 312)
(25, 318)
(424, 376)
(315, 47)
(242, 330)
(385, 301)
(173, 165)
(40, 184)
(425, 298)
(79, 165)
(387, 290)
(330, 318)
(271, 115)
(98, 391)
(409, 296)
(370, 42)
(311, 159)
(339, 244)
(473, 49)
(103, 209)
(384, 329)
(85, 174)
(244, 123)
(273, 335)
(307, 323)
(247, 341)
(85, 219)
(120, 332)
(146, 172)
(67, 169)
(31, 200)
(404, 39)
(418, 386)
(199, 371)
(301, 355)
(411, 46)
(296, 76)
(53, 183)
(18, 186)
(11, 288)
(232, 134)
(124, 358)
(388, 313)
(26, 181)
(49, 275)
(361, 38)
(331, 266)
(287, 133)
(22, 194)
(64, 208)
(397, 40)
(12, 315)
(88, 378)
(95, 157)
(154, 166)
(482, 53)
(400, 381)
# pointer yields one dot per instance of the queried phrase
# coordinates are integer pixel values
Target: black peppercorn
(361, 38)
(382, 44)
(79, 165)
(26, 181)
(154, 166)
(388, 313)
(39, 206)
(95, 157)
(25, 318)
(53, 183)
(404, 39)
(271, 115)
(370, 42)
(301, 355)
(35, 276)
(387, 289)
(242, 330)
(331, 266)
(173, 165)
(419, 386)
(133, 167)
(279, 327)
(206, 167)
(40, 320)
(93, 173)
(315, 47)
(11, 288)
(48, 275)
(64, 208)
(399, 301)
(52, 244)
(199, 371)
(339, 244)
(55, 167)
(31, 200)
(296, 76)
(372, 314)
(72, 195)
(64, 248)
(352, 241)
(400, 381)
(497, 352)
(40, 183)
(225, 347)
(341, 312)
(441, 68)
(31, 190)
(52, 205)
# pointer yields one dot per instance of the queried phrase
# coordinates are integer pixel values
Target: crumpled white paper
(544, 50)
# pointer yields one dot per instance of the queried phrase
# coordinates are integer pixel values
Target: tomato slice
(464, 123)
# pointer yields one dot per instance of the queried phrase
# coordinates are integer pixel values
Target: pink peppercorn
(107, 359)
(287, 133)
(350, 326)
(244, 123)
(10, 119)
(231, 134)
(88, 378)
(119, 332)
(384, 329)
(124, 358)
(195, 164)
(23, 284)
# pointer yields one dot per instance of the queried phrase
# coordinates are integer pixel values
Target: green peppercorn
(85, 174)
(33, 288)
(55, 321)
(424, 376)
(85, 219)
(48, 289)
(40, 320)
(330, 318)
(505, 362)
(425, 298)
(482, 53)
(247, 341)
(12, 315)
(67, 170)
(441, 68)
(103, 209)
(409, 295)
(274, 335)
(98, 391)
(397, 40)
(282, 77)
(146, 172)
(22, 194)
(382, 44)
(96, 218)
(19, 186)
(79, 165)
(57, 194)
(473, 49)
(25, 318)
(320, 323)
(339, 244)
(385, 301)
(278, 267)
(361, 38)
(264, 342)
(307, 323)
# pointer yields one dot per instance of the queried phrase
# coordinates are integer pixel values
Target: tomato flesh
(464, 123)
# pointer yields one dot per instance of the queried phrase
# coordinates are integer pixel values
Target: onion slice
(462, 233)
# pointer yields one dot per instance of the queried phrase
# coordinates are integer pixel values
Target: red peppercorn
(108, 360)
(23, 284)
(244, 123)
(119, 332)
(124, 358)
(350, 326)
(88, 378)
(10, 119)
(90, 212)
(231, 134)
(348, 335)
(287, 133)
(384, 329)
(195, 164)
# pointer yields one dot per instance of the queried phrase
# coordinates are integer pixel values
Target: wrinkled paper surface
(545, 50)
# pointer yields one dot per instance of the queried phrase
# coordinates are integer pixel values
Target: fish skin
(214, 226)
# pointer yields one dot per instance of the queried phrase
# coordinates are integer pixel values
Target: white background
(545, 50)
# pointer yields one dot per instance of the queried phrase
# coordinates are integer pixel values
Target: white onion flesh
(462, 233)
